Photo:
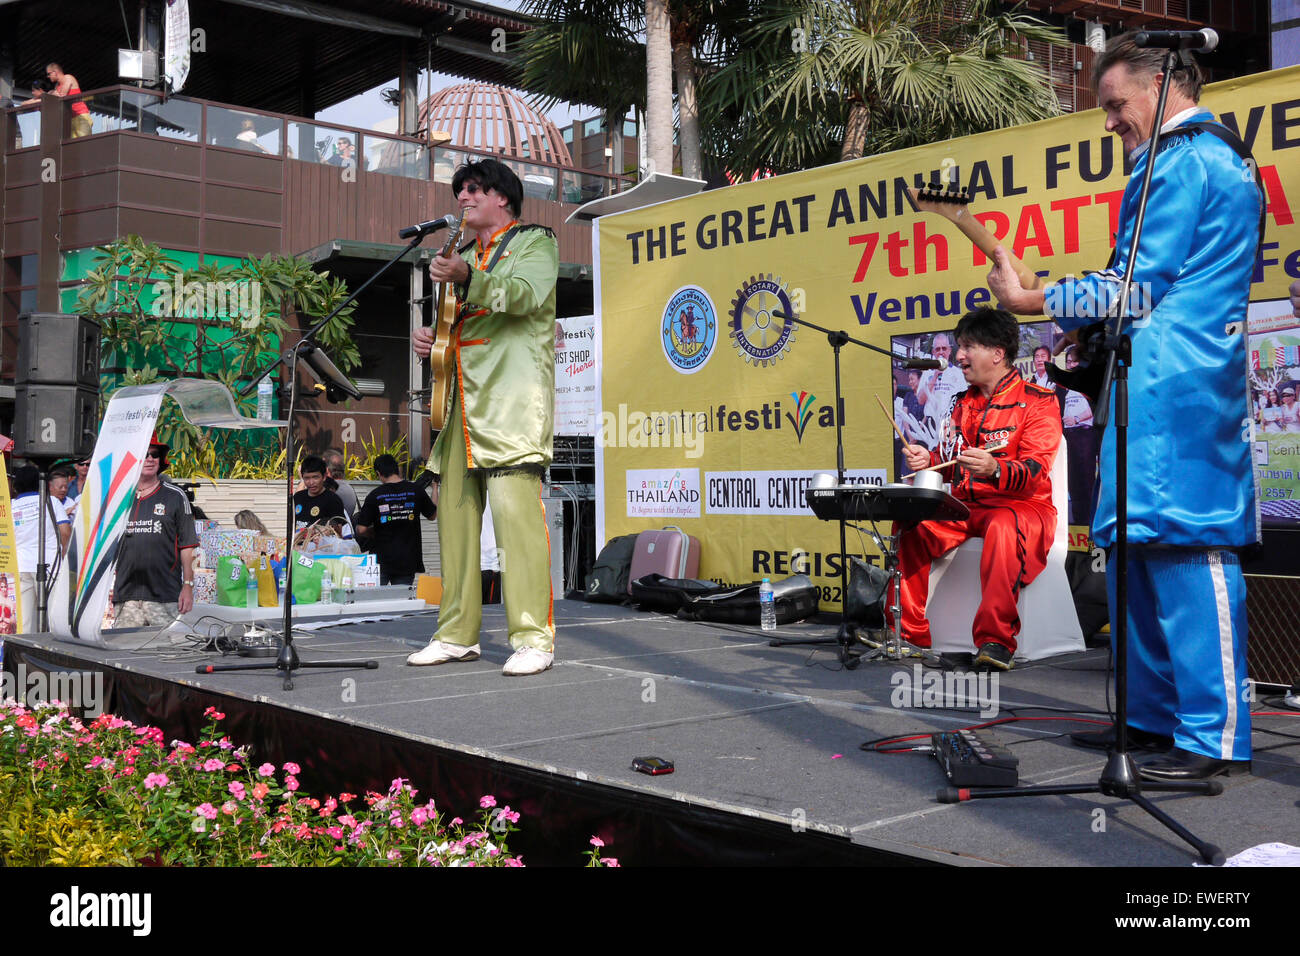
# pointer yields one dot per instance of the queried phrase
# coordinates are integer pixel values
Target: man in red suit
(1008, 489)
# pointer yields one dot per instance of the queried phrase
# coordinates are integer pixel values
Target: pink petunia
(510, 816)
(236, 789)
(487, 801)
(610, 862)
(266, 770)
(292, 768)
(213, 765)
(156, 780)
(419, 816)
(206, 810)
(596, 841)
(291, 783)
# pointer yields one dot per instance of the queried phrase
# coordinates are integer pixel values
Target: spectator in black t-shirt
(315, 502)
(391, 513)
(154, 580)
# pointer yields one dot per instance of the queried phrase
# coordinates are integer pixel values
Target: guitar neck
(986, 242)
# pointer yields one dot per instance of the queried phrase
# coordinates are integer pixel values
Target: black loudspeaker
(56, 349)
(59, 421)
(56, 386)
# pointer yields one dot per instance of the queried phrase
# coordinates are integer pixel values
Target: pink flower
(514, 861)
(487, 801)
(229, 808)
(396, 819)
(510, 816)
(419, 816)
(206, 810)
(266, 770)
(394, 854)
(348, 820)
(335, 832)
(260, 790)
(236, 789)
(156, 780)
(292, 768)
(330, 806)
(214, 765)
(291, 783)
(609, 861)
(214, 714)
(347, 797)
(596, 841)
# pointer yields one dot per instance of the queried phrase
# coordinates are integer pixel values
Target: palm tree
(810, 79)
(588, 51)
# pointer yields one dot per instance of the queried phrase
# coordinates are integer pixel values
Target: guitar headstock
(453, 236)
(949, 202)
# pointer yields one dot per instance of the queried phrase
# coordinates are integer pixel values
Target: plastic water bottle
(250, 593)
(767, 605)
(326, 588)
(264, 392)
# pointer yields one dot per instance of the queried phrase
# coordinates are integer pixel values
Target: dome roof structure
(494, 119)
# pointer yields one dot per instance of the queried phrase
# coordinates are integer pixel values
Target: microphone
(920, 363)
(1205, 40)
(422, 229)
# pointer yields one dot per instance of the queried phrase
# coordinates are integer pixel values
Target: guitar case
(795, 599)
(655, 592)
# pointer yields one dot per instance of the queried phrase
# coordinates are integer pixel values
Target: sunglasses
(156, 454)
(472, 188)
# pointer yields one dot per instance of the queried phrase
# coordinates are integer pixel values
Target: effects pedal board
(974, 758)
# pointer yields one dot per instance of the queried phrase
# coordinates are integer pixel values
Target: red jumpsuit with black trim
(1012, 513)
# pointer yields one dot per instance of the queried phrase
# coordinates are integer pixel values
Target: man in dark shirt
(392, 514)
(315, 502)
(154, 582)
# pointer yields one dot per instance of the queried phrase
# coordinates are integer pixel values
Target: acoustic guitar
(442, 358)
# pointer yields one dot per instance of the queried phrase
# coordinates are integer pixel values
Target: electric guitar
(952, 204)
(442, 358)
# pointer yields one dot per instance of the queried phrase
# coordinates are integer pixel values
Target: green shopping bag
(232, 581)
(306, 578)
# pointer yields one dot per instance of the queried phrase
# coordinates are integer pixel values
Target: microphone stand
(287, 660)
(844, 637)
(1120, 778)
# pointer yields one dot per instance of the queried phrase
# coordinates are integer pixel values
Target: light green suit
(498, 441)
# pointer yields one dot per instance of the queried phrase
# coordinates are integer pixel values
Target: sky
(367, 109)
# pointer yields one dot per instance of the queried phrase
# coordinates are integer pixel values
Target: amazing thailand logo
(689, 329)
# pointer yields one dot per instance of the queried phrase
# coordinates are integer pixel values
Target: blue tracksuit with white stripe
(1191, 491)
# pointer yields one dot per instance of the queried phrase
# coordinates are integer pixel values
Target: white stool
(1048, 622)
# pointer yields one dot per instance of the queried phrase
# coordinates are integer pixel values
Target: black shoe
(951, 661)
(1185, 765)
(994, 656)
(1137, 740)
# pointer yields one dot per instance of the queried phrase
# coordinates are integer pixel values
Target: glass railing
(241, 129)
(25, 125)
(119, 109)
(115, 110)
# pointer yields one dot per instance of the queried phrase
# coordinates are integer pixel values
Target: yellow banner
(715, 413)
(10, 586)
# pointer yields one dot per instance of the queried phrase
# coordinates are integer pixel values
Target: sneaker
(440, 652)
(994, 656)
(528, 660)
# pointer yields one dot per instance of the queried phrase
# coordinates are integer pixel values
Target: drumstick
(944, 464)
(898, 430)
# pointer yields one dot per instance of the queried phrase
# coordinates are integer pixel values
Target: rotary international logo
(759, 335)
(689, 329)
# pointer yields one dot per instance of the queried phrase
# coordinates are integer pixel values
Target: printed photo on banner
(923, 400)
(1274, 354)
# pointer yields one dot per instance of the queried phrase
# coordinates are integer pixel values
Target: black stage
(765, 741)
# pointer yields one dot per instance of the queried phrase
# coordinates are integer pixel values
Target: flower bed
(111, 793)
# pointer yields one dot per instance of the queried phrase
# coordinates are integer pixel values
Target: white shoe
(440, 652)
(528, 660)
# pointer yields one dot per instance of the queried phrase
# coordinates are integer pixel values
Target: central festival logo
(802, 412)
(689, 329)
(759, 335)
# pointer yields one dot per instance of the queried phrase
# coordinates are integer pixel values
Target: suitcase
(670, 552)
(795, 599)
